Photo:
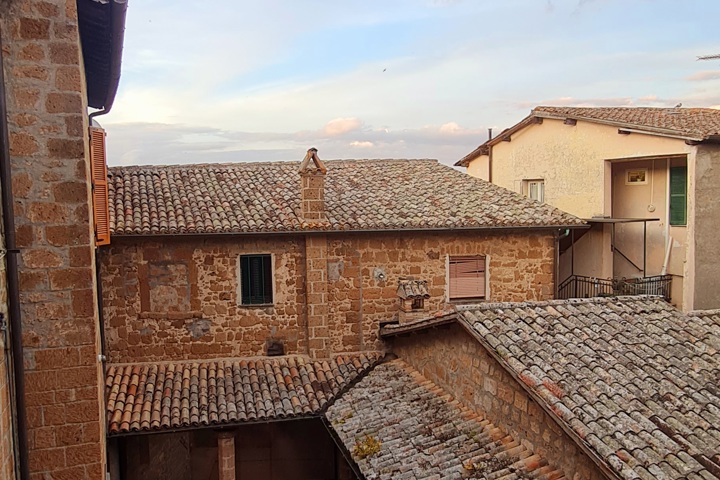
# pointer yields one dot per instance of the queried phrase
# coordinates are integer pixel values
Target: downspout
(490, 149)
(13, 292)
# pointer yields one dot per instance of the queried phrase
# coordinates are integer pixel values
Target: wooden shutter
(101, 207)
(467, 277)
(678, 196)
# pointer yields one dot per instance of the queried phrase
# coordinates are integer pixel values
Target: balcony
(577, 286)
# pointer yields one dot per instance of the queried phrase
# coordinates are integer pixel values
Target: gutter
(13, 292)
(337, 231)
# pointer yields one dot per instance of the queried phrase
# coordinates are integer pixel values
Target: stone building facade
(179, 298)
(46, 95)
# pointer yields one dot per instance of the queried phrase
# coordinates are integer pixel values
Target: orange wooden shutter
(467, 277)
(101, 207)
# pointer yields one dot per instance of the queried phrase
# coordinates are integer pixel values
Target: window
(256, 282)
(467, 277)
(678, 195)
(535, 189)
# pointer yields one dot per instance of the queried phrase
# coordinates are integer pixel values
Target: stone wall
(341, 309)
(454, 360)
(47, 123)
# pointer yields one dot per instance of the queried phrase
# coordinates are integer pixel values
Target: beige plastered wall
(575, 162)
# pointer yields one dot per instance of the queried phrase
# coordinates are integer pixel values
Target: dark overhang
(102, 29)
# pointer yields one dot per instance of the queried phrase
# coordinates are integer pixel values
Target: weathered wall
(348, 296)
(205, 319)
(459, 364)
(47, 129)
(703, 219)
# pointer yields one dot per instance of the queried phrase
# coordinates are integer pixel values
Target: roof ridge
(263, 163)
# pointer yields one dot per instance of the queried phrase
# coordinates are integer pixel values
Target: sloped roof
(695, 124)
(634, 380)
(364, 195)
(192, 394)
(419, 431)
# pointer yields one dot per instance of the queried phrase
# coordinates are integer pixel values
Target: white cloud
(340, 126)
(362, 144)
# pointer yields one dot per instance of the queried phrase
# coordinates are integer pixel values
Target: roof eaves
(584, 224)
(630, 127)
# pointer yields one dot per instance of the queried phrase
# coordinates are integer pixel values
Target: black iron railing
(577, 286)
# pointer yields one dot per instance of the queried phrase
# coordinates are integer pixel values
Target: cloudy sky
(227, 81)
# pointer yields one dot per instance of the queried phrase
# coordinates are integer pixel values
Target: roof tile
(359, 195)
(168, 395)
(422, 432)
(635, 378)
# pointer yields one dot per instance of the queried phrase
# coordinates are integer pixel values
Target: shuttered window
(101, 207)
(256, 279)
(678, 195)
(467, 277)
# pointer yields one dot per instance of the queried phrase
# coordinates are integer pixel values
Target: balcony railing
(577, 286)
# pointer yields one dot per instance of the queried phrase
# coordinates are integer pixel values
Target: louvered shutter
(678, 196)
(101, 207)
(467, 277)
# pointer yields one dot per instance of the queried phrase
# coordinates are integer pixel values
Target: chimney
(412, 294)
(312, 187)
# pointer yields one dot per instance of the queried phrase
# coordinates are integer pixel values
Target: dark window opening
(256, 279)
(418, 303)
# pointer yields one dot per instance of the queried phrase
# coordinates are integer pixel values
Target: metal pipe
(13, 292)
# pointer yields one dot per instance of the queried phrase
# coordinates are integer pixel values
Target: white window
(535, 189)
(467, 278)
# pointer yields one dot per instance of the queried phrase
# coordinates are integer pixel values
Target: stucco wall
(705, 212)
(571, 161)
(577, 164)
(452, 359)
(356, 299)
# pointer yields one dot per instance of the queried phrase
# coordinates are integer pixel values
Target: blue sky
(228, 81)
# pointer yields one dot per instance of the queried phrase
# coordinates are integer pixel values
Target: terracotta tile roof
(636, 381)
(148, 397)
(359, 195)
(689, 123)
(422, 432)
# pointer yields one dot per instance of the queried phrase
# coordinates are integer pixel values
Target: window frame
(267, 296)
(485, 259)
(527, 188)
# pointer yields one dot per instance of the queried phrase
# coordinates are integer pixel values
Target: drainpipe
(490, 156)
(13, 292)
(668, 239)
